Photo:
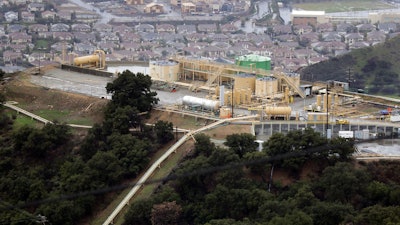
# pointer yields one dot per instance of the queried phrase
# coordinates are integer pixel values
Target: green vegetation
(48, 162)
(336, 192)
(374, 69)
(341, 6)
(21, 121)
(41, 44)
(52, 115)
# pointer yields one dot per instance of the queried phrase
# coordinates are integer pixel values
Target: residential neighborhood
(42, 32)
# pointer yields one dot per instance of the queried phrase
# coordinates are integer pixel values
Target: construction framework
(212, 74)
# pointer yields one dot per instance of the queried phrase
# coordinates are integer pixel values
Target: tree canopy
(132, 90)
(339, 192)
(52, 161)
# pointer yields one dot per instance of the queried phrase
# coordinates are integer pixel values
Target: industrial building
(305, 17)
(249, 83)
(250, 76)
(308, 17)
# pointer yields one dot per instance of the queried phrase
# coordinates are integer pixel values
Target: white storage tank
(208, 104)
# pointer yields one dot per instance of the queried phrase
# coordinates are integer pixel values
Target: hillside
(374, 69)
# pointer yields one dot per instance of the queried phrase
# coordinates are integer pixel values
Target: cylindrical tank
(278, 110)
(204, 103)
(244, 81)
(336, 100)
(254, 61)
(266, 86)
(89, 59)
(227, 98)
(245, 96)
(286, 96)
(319, 100)
(164, 70)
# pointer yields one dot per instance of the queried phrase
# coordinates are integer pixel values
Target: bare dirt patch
(34, 98)
(191, 123)
(223, 131)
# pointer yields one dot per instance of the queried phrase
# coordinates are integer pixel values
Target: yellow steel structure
(214, 74)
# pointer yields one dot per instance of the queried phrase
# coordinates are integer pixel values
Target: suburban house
(154, 8)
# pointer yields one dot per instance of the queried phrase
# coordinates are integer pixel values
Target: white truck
(346, 133)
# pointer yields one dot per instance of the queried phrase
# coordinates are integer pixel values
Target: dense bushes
(338, 192)
(51, 164)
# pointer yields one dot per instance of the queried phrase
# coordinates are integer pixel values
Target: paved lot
(95, 85)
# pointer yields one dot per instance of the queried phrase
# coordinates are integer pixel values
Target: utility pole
(232, 97)
(39, 63)
(327, 110)
(349, 79)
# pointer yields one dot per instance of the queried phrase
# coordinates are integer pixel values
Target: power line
(200, 171)
(30, 217)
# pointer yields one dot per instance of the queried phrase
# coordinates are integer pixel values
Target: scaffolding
(215, 74)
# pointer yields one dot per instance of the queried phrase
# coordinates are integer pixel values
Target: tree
(73, 177)
(2, 100)
(139, 213)
(241, 143)
(229, 222)
(2, 73)
(164, 131)
(5, 121)
(104, 169)
(57, 134)
(166, 213)
(50, 137)
(133, 90)
(343, 182)
(294, 218)
(95, 141)
(377, 215)
(330, 213)
(378, 192)
(257, 168)
(121, 119)
(132, 152)
(203, 145)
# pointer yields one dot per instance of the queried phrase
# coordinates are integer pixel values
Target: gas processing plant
(249, 84)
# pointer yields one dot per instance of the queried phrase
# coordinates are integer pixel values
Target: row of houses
(291, 47)
(192, 6)
(31, 12)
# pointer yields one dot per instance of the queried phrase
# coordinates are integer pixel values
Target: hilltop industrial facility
(248, 83)
(247, 86)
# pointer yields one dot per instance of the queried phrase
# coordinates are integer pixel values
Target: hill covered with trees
(317, 183)
(298, 178)
(46, 171)
(374, 69)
